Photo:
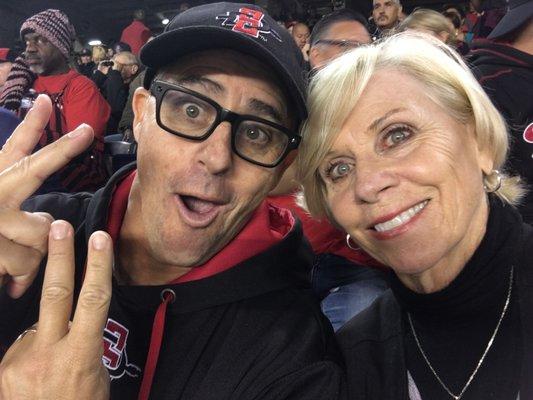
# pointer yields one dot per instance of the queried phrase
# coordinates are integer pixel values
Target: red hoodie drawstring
(167, 296)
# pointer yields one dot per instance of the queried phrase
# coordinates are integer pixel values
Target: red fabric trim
(323, 237)
(501, 55)
(495, 75)
(118, 206)
(156, 339)
(268, 225)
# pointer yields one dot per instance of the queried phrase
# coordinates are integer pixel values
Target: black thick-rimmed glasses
(188, 114)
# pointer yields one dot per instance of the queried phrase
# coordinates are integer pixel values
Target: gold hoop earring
(348, 243)
(488, 180)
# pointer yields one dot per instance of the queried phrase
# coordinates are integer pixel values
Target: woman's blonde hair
(429, 20)
(335, 90)
(99, 54)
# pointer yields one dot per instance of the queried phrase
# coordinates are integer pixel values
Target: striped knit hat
(54, 26)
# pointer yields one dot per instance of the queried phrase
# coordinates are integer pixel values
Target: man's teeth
(400, 219)
(197, 205)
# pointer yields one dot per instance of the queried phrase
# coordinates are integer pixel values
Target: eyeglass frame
(341, 43)
(159, 88)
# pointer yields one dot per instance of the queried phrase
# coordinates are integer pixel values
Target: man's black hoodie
(252, 332)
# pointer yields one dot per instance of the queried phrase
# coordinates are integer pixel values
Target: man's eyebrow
(261, 107)
(380, 120)
(207, 83)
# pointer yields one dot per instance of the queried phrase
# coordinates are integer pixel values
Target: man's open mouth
(198, 212)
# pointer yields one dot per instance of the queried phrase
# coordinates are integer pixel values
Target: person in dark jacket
(86, 65)
(411, 170)
(503, 66)
(116, 86)
(210, 295)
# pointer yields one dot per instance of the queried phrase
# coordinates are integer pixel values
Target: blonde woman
(405, 152)
(430, 22)
(99, 54)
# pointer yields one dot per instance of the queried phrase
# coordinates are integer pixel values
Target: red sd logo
(250, 22)
(528, 133)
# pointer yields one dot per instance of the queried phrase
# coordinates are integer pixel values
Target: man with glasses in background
(336, 33)
(115, 87)
(210, 292)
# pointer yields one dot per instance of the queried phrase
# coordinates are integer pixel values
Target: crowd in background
(96, 87)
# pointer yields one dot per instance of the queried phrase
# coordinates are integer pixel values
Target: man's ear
(134, 69)
(139, 104)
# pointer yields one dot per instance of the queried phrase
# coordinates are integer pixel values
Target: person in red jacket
(76, 100)
(137, 33)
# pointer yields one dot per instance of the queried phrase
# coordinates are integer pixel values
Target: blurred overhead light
(165, 21)
(95, 42)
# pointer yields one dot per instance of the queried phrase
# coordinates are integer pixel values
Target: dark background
(105, 19)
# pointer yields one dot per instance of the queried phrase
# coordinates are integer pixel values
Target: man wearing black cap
(210, 292)
(504, 67)
(86, 65)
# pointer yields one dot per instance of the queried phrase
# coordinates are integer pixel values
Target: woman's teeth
(400, 219)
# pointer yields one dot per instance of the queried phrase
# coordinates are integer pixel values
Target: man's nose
(216, 153)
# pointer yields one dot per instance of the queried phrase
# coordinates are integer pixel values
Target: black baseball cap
(519, 12)
(85, 52)
(242, 27)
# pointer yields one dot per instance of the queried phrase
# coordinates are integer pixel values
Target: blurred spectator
(19, 80)
(115, 86)
(137, 33)
(75, 99)
(431, 22)
(86, 65)
(300, 33)
(119, 47)
(385, 14)
(6, 62)
(99, 54)
(125, 126)
(183, 7)
(483, 17)
(109, 53)
(336, 33)
(456, 9)
(10, 67)
(455, 18)
(504, 67)
(345, 279)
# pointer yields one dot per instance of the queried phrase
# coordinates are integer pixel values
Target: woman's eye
(396, 136)
(338, 170)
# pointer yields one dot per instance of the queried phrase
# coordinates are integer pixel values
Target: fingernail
(38, 99)
(78, 131)
(99, 240)
(59, 230)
